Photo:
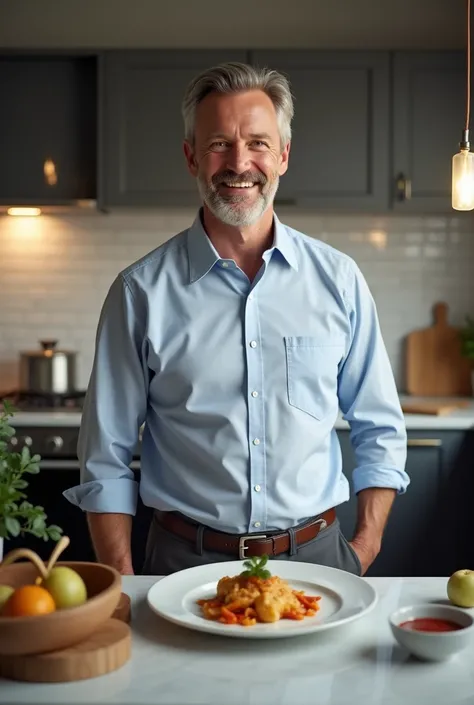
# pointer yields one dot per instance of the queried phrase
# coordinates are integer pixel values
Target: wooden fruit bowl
(64, 627)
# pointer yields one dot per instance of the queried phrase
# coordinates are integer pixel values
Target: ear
(284, 158)
(190, 158)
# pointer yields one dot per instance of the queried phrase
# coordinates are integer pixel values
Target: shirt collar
(283, 242)
(203, 255)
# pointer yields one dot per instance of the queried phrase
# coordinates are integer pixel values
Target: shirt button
(224, 264)
(256, 441)
(253, 343)
(255, 394)
(257, 524)
(257, 488)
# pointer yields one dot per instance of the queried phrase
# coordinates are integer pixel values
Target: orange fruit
(28, 601)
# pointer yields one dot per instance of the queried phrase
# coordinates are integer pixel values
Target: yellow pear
(5, 592)
(66, 587)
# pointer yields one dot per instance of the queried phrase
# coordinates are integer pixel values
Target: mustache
(255, 177)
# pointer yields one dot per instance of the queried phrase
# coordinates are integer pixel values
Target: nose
(238, 158)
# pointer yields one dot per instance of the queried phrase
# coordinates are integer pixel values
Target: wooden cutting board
(106, 650)
(435, 366)
(434, 408)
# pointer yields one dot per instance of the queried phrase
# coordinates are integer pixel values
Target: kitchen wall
(55, 272)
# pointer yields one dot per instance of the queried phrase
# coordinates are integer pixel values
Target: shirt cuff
(118, 496)
(368, 476)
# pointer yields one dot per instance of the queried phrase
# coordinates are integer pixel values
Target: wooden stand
(106, 650)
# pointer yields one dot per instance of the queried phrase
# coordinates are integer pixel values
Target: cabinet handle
(424, 442)
(403, 188)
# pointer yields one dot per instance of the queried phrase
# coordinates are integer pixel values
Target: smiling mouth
(238, 184)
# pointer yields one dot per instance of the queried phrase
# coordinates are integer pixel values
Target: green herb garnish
(255, 568)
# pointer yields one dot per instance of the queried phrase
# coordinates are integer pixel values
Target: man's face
(237, 155)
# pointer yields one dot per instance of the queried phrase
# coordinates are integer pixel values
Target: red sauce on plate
(430, 624)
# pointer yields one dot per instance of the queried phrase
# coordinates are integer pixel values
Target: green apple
(5, 592)
(66, 587)
(461, 588)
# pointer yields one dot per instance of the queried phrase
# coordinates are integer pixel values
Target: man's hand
(373, 509)
(366, 551)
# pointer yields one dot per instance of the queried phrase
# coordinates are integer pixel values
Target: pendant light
(463, 162)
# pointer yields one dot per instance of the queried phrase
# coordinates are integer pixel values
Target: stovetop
(24, 400)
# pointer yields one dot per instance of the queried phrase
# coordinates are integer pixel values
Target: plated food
(255, 595)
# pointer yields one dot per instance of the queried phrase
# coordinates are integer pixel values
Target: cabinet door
(144, 164)
(410, 548)
(46, 490)
(429, 115)
(406, 547)
(340, 145)
(48, 114)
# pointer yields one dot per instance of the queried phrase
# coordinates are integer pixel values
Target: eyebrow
(260, 136)
(253, 135)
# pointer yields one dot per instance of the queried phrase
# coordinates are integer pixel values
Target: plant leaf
(25, 455)
(39, 523)
(25, 507)
(19, 485)
(12, 525)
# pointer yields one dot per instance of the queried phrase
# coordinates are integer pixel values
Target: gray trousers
(167, 553)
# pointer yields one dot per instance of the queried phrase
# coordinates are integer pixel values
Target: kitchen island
(361, 663)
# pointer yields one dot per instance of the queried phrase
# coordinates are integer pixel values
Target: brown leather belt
(248, 544)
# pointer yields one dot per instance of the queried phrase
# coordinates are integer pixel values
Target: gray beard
(234, 212)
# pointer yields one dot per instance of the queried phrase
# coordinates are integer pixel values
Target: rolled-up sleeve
(114, 408)
(368, 396)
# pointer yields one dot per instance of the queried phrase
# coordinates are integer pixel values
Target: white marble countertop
(362, 664)
(457, 419)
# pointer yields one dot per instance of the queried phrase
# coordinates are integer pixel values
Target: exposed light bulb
(463, 179)
(462, 188)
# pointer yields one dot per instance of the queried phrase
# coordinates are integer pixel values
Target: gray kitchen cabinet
(428, 530)
(143, 158)
(340, 146)
(48, 137)
(429, 108)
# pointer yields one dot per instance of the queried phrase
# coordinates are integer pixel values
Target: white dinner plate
(344, 598)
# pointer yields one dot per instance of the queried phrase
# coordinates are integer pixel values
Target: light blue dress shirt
(239, 385)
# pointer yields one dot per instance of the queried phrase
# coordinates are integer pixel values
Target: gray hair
(235, 77)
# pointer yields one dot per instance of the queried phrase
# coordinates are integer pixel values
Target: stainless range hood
(48, 132)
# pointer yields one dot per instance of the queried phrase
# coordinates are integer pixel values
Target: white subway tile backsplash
(55, 272)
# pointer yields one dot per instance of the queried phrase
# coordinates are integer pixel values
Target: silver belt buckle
(243, 546)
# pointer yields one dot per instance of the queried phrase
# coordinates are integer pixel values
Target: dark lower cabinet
(428, 530)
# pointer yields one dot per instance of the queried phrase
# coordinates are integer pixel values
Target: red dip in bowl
(430, 624)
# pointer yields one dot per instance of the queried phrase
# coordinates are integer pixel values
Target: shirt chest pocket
(312, 372)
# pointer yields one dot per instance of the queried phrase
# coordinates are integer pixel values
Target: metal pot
(48, 371)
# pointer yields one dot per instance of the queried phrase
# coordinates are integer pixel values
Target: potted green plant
(17, 515)
(467, 344)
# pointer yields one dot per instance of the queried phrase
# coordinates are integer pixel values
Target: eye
(259, 144)
(219, 146)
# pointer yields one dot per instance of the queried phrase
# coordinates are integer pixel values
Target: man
(236, 343)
